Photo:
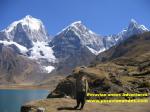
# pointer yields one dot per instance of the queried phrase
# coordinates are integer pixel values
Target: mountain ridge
(76, 45)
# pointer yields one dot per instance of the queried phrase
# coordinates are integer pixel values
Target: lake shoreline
(12, 99)
(28, 87)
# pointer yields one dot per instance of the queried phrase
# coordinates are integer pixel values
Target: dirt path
(66, 105)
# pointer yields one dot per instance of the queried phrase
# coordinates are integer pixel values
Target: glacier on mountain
(22, 49)
(33, 27)
(41, 50)
(133, 29)
(30, 37)
(48, 69)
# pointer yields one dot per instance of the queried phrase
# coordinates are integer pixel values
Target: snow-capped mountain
(75, 45)
(25, 31)
(78, 34)
(85, 35)
(32, 27)
(133, 29)
(30, 38)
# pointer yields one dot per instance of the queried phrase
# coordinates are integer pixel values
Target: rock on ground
(67, 104)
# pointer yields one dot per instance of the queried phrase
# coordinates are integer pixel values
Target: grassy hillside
(124, 68)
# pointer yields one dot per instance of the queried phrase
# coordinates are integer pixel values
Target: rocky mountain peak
(25, 32)
(78, 34)
(28, 22)
(76, 44)
(32, 23)
(28, 17)
(134, 28)
(77, 27)
(133, 25)
(76, 23)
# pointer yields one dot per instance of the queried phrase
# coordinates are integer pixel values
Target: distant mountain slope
(27, 28)
(76, 45)
(124, 68)
(133, 29)
(15, 68)
(30, 38)
(133, 47)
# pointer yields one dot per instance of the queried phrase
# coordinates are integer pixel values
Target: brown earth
(12, 86)
(107, 78)
(133, 47)
(67, 104)
(48, 84)
(124, 68)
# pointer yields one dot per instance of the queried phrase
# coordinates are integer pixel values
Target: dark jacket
(81, 85)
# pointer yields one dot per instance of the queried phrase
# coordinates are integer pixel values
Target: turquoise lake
(11, 100)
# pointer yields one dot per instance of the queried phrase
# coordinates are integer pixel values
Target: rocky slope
(76, 45)
(106, 78)
(25, 54)
(15, 68)
(133, 47)
(25, 31)
(128, 72)
(73, 45)
(30, 38)
(132, 29)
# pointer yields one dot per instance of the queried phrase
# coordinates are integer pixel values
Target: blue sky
(101, 16)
